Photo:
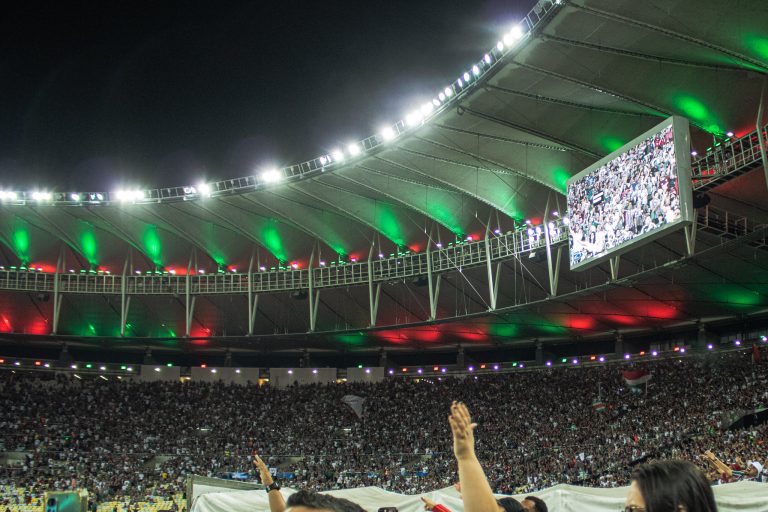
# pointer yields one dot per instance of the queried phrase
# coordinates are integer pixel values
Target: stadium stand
(130, 442)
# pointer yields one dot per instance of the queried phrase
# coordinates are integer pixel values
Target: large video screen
(638, 192)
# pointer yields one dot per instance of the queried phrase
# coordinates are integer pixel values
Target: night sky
(95, 97)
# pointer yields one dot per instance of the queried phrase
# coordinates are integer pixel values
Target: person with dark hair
(304, 501)
(534, 504)
(669, 486)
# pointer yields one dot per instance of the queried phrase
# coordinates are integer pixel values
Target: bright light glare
(354, 149)
(74, 196)
(337, 155)
(414, 118)
(7, 195)
(129, 195)
(441, 96)
(487, 58)
(500, 46)
(517, 32)
(448, 92)
(271, 176)
(475, 70)
(466, 77)
(427, 108)
(388, 133)
(204, 189)
(41, 196)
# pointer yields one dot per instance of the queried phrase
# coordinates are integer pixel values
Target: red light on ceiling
(642, 352)
(2, 361)
(405, 369)
(435, 368)
(38, 363)
(592, 358)
(203, 365)
(677, 349)
(482, 367)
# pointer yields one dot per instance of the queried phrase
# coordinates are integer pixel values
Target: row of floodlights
(271, 176)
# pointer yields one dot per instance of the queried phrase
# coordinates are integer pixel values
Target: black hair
(666, 485)
(538, 504)
(510, 505)
(318, 501)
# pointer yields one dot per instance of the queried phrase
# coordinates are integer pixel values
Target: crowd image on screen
(633, 194)
(131, 440)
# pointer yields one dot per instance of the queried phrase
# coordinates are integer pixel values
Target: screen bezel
(682, 142)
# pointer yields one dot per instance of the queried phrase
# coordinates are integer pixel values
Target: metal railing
(394, 268)
(727, 159)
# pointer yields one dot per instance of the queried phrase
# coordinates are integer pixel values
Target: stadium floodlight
(8, 195)
(323, 160)
(414, 118)
(436, 101)
(337, 155)
(354, 149)
(459, 82)
(448, 92)
(427, 108)
(271, 176)
(129, 195)
(387, 133)
(74, 196)
(500, 46)
(517, 32)
(40, 195)
(204, 189)
(475, 70)
(467, 77)
(508, 40)
(441, 96)
(487, 58)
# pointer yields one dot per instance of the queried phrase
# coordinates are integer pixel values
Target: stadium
(569, 236)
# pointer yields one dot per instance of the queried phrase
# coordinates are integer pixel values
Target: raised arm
(276, 500)
(475, 490)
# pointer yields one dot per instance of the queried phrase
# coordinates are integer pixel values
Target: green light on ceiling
(444, 214)
(350, 339)
(758, 44)
(152, 244)
(88, 244)
(20, 240)
(611, 144)
(560, 177)
(695, 110)
(387, 223)
(503, 330)
(270, 236)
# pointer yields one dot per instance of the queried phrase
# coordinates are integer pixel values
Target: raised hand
(463, 431)
(266, 477)
(428, 503)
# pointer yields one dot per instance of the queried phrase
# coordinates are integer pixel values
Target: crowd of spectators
(120, 438)
(629, 196)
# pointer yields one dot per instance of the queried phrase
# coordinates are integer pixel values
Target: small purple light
(710, 347)
(654, 353)
(601, 359)
(391, 371)
(522, 365)
(575, 361)
(737, 343)
(290, 372)
(443, 370)
(548, 363)
(314, 371)
(367, 370)
(419, 371)
(497, 231)
(627, 356)
(439, 245)
(682, 350)
(495, 367)
(471, 368)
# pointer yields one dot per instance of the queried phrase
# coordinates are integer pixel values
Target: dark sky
(94, 96)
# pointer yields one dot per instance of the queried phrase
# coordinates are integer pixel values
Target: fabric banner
(355, 403)
(736, 497)
(636, 377)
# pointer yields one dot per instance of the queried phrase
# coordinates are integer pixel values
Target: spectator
(672, 485)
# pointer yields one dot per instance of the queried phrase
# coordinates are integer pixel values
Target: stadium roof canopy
(575, 81)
